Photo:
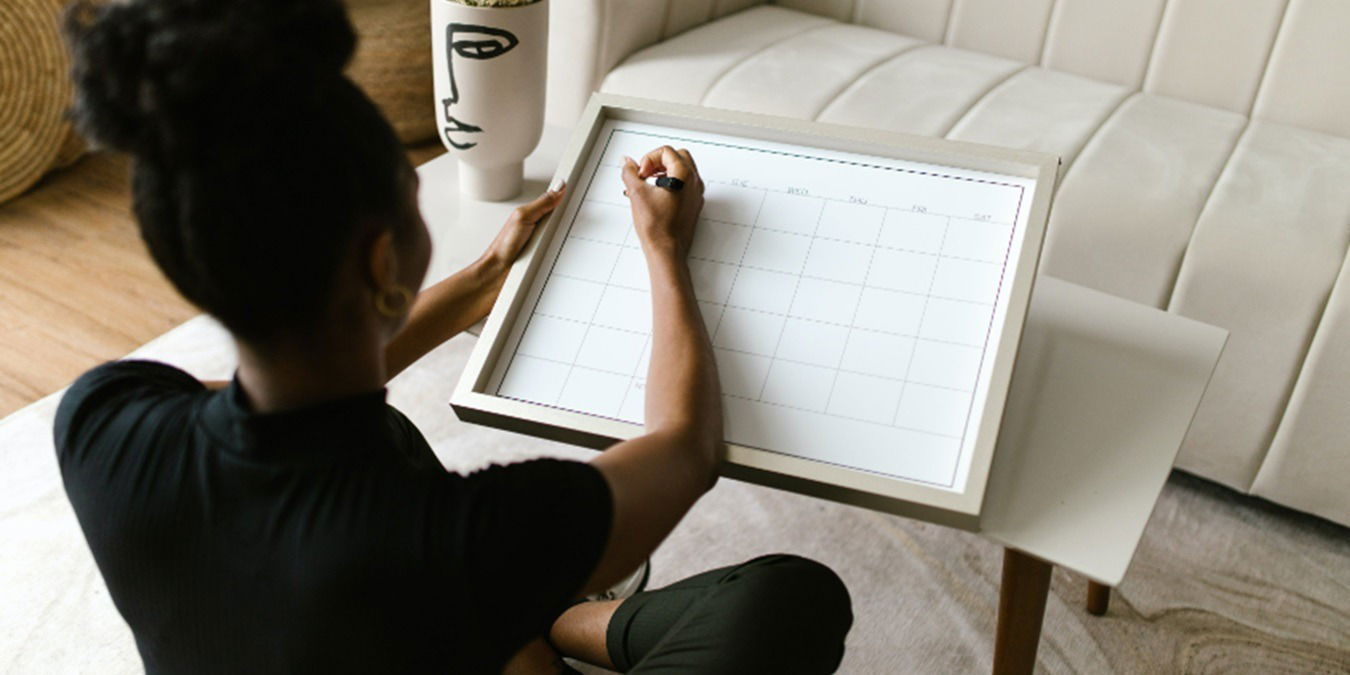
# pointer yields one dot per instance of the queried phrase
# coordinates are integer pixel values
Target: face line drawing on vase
(482, 43)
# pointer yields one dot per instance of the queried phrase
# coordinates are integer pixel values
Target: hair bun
(147, 70)
(108, 60)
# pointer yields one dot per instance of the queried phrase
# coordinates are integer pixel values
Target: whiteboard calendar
(857, 303)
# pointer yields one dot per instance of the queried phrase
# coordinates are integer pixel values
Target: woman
(290, 520)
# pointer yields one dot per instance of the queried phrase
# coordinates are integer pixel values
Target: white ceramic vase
(490, 67)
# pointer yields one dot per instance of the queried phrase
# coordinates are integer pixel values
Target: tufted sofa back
(1284, 61)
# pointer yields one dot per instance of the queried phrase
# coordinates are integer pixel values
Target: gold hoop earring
(403, 297)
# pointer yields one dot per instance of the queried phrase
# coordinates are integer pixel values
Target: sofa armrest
(587, 38)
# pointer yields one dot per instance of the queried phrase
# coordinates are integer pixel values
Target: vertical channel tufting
(1214, 52)
(1153, 48)
(839, 10)
(1306, 465)
(923, 19)
(725, 7)
(939, 85)
(1303, 86)
(723, 75)
(602, 49)
(1265, 254)
(1011, 30)
(1042, 110)
(1270, 53)
(685, 67)
(1051, 18)
(665, 20)
(1070, 162)
(1127, 205)
(773, 81)
(947, 23)
(1227, 165)
(993, 87)
(1181, 264)
(1102, 39)
(870, 68)
(682, 15)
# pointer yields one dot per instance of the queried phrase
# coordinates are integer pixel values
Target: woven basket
(392, 64)
(35, 136)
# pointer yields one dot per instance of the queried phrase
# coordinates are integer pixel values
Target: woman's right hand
(664, 218)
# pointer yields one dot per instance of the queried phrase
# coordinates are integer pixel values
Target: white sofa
(1206, 149)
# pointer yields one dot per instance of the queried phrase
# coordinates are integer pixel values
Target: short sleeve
(534, 533)
(100, 396)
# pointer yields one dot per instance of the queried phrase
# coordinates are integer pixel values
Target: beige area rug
(1221, 583)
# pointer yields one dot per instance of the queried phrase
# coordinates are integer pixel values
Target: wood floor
(77, 287)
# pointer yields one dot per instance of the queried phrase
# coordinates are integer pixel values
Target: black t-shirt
(328, 539)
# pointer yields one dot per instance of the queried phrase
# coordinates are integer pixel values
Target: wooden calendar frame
(472, 401)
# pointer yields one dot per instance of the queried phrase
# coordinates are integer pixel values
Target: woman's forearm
(444, 311)
(684, 396)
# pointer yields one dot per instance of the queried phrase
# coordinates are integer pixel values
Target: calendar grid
(774, 356)
(807, 276)
(572, 368)
(904, 382)
(853, 319)
(708, 181)
(647, 341)
(588, 334)
(722, 315)
(796, 285)
(757, 310)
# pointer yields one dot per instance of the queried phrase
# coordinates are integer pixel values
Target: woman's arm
(464, 298)
(656, 478)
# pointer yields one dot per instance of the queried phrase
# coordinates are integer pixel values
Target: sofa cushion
(685, 67)
(923, 91)
(1307, 463)
(1153, 163)
(1262, 261)
(1043, 110)
(799, 76)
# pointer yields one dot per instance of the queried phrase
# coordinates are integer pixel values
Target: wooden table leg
(1021, 609)
(1098, 598)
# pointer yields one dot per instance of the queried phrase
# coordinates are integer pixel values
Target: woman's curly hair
(256, 161)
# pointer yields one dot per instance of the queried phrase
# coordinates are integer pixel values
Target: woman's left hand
(511, 240)
(463, 298)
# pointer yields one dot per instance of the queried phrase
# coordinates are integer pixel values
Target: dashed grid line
(755, 400)
(832, 160)
(731, 305)
(813, 277)
(897, 209)
(900, 402)
(796, 285)
(841, 240)
(733, 350)
(903, 381)
(853, 320)
(721, 316)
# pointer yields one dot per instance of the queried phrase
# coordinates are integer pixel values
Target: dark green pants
(774, 614)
